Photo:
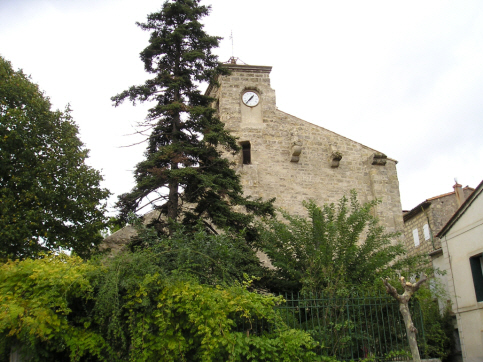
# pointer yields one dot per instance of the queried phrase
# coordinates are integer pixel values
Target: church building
(294, 160)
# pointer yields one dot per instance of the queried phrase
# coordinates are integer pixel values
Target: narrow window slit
(246, 152)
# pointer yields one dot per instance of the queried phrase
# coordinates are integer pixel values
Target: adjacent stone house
(423, 222)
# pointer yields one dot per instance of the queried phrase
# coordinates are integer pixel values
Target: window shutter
(477, 277)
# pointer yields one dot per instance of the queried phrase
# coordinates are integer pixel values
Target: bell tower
(244, 98)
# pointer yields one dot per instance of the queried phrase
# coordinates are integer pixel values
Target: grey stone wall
(319, 173)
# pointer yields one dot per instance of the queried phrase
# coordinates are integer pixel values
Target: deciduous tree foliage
(438, 324)
(183, 161)
(336, 248)
(49, 197)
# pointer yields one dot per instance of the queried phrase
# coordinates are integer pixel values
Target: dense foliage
(61, 308)
(184, 174)
(341, 252)
(337, 248)
(438, 324)
(212, 259)
(182, 297)
(49, 197)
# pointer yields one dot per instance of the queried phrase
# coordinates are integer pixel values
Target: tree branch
(151, 202)
(210, 227)
(390, 289)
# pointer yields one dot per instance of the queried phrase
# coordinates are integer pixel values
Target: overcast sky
(402, 77)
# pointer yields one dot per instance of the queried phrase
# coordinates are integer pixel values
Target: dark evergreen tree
(183, 163)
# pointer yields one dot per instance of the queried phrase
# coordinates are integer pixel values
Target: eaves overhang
(416, 210)
(436, 252)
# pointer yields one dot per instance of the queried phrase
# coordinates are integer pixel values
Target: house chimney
(458, 191)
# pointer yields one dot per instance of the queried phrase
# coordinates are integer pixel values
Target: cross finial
(233, 59)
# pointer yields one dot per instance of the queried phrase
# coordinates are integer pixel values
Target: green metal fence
(354, 328)
(362, 326)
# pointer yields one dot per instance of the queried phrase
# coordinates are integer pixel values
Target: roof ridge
(449, 193)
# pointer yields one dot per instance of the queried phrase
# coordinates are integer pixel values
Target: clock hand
(249, 99)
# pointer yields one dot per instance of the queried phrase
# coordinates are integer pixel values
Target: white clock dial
(250, 99)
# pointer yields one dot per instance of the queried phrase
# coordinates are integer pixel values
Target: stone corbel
(335, 158)
(379, 159)
(296, 150)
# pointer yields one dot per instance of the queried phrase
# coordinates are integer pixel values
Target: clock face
(250, 99)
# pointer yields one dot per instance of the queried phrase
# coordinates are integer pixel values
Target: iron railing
(353, 328)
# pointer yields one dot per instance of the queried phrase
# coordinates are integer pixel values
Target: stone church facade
(294, 160)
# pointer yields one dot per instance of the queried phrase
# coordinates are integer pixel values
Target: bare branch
(420, 281)
(390, 289)
(409, 290)
(403, 282)
(151, 202)
(210, 227)
(133, 144)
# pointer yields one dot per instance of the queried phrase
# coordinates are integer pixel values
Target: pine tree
(183, 162)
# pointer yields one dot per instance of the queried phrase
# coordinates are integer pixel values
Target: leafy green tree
(183, 162)
(37, 297)
(49, 197)
(337, 248)
(337, 253)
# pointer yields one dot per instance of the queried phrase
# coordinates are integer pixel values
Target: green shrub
(438, 326)
(127, 308)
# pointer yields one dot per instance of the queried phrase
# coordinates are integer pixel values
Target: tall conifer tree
(183, 162)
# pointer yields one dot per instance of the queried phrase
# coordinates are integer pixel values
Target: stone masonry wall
(438, 210)
(444, 207)
(274, 138)
(416, 223)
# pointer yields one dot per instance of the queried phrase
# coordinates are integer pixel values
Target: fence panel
(362, 326)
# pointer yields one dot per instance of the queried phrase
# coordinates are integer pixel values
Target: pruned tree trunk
(411, 331)
(403, 299)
